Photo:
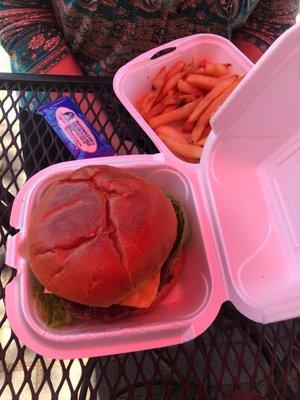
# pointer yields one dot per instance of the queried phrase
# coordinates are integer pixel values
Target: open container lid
(250, 171)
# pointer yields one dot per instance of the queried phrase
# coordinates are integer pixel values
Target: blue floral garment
(105, 34)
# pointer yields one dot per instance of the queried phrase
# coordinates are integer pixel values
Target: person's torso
(105, 34)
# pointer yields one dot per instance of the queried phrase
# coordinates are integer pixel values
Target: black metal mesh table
(234, 354)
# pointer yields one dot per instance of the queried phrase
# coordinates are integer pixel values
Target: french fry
(159, 98)
(148, 101)
(170, 95)
(188, 126)
(172, 83)
(187, 137)
(200, 70)
(171, 100)
(202, 81)
(207, 100)
(206, 132)
(187, 98)
(186, 88)
(175, 69)
(171, 133)
(190, 93)
(172, 92)
(155, 110)
(226, 76)
(150, 98)
(191, 67)
(206, 116)
(215, 69)
(169, 109)
(179, 100)
(175, 115)
(240, 77)
(139, 103)
(201, 142)
(183, 149)
(160, 79)
(186, 159)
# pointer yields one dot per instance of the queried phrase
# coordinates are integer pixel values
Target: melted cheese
(143, 296)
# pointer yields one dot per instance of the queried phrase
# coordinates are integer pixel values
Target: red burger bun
(98, 233)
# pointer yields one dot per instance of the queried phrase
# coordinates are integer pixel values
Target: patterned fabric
(105, 34)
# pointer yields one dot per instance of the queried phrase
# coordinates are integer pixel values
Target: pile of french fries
(181, 102)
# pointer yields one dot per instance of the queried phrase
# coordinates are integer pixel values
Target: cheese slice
(143, 296)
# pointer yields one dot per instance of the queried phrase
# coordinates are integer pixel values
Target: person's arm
(252, 51)
(266, 23)
(30, 34)
(67, 66)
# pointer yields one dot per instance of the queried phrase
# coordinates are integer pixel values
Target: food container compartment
(242, 202)
(134, 79)
(197, 292)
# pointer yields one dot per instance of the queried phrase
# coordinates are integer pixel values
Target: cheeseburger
(104, 243)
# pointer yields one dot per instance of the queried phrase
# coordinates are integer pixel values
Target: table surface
(234, 354)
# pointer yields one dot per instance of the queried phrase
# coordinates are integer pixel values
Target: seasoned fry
(150, 98)
(206, 116)
(139, 103)
(179, 100)
(206, 132)
(216, 70)
(182, 101)
(172, 92)
(188, 126)
(186, 159)
(187, 98)
(201, 142)
(185, 87)
(155, 110)
(202, 81)
(160, 79)
(148, 101)
(171, 100)
(183, 149)
(226, 76)
(175, 69)
(191, 67)
(172, 83)
(171, 133)
(200, 70)
(169, 109)
(175, 115)
(210, 97)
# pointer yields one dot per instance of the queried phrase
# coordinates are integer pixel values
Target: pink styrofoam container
(186, 312)
(242, 202)
(134, 79)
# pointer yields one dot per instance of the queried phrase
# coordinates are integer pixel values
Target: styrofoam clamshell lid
(250, 172)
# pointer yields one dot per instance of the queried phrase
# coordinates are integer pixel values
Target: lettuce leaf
(50, 308)
(183, 228)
